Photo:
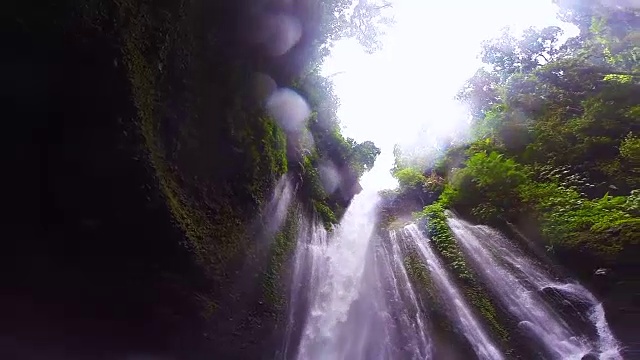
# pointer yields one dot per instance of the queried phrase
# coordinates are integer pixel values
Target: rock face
(348, 187)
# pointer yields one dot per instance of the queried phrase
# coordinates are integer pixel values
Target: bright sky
(407, 88)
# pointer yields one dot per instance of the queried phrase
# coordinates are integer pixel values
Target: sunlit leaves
(630, 150)
(368, 22)
(624, 79)
(481, 92)
(364, 155)
(364, 20)
(410, 178)
(509, 55)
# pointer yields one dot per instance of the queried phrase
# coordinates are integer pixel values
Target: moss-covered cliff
(148, 159)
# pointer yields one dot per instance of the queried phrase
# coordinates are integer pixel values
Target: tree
(556, 132)
(367, 23)
(363, 20)
(508, 55)
(480, 92)
(363, 155)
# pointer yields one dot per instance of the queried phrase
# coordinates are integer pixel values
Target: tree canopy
(555, 134)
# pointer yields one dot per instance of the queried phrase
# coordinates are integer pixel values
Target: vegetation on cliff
(555, 136)
(156, 153)
(447, 247)
(553, 150)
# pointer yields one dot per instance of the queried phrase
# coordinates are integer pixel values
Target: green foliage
(363, 20)
(556, 133)
(413, 182)
(418, 272)
(630, 149)
(363, 155)
(482, 302)
(264, 145)
(410, 178)
(327, 215)
(489, 182)
(215, 154)
(281, 250)
(149, 92)
(441, 235)
(570, 221)
(343, 152)
(314, 194)
(495, 187)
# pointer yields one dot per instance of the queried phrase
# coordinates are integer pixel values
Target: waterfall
(350, 296)
(520, 284)
(338, 321)
(275, 211)
(408, 312)
(458, 307)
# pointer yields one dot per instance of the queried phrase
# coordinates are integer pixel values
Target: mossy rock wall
(437, 229)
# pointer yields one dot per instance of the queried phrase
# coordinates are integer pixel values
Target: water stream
(520, 284)
(351, 297)
(345, 309)
(458, 307)
(410, 318)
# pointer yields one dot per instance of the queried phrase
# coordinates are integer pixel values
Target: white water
(351, 297)
(410, 316)
(339, 322)
(276, 210)
(518, 282)
(460, 310)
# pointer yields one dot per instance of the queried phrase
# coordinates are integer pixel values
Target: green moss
(423, 284)
(481, 301)
(446, 245)
(281, 250)
(142, 76)
(210, 209)
(441, 235)
(417, 270)
(326, 214)
(264, 147)
(314, 195)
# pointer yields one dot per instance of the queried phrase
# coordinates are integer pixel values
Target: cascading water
(351, 297)
(519, 283)
(276, 210)
(459, 309)
(337, 321)
(403, 300)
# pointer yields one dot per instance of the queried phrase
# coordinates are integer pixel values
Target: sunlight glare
(404, 93)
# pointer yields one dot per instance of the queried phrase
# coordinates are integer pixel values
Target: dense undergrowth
(554, 138)
(553, 149)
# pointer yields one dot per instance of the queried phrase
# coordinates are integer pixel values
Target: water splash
(307, 263)
(608, 346)
(351, 296)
